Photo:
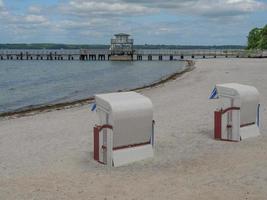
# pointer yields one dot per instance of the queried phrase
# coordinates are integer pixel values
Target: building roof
(121, 34)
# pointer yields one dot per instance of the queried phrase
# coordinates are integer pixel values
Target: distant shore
(30, 110)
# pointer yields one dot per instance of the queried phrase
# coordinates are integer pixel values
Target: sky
(177, 22)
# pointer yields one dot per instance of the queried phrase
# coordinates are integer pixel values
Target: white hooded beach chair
(125, 131)
(237, 114)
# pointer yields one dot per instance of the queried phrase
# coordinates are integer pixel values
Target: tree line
(102, 46)
(257, 38)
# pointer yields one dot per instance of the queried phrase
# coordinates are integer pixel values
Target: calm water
(26, 83)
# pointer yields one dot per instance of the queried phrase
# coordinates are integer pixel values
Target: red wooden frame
(218, 121)
(97, 130)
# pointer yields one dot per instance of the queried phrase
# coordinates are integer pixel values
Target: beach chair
(237, 114)
(125, 130)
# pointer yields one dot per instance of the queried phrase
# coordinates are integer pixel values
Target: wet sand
(49, 155)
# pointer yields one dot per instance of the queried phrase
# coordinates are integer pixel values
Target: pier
(138, 54)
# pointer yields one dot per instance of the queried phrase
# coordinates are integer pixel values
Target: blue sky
(185, 22)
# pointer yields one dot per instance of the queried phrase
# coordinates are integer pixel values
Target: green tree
(263, 39)
(254, 38)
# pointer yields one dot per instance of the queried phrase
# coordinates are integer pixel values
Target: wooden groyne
(139, 54)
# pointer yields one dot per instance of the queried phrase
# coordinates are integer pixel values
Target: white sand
(49, 155)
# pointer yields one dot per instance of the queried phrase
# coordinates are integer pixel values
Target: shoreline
(32, 110)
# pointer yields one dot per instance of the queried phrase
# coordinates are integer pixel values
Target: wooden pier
(138, 54)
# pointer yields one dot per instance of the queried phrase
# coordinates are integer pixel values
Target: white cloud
(77, 24)
(26, 20)
(208, 8)
(1, 4)
(112, 8)
(221, 8)
(34, 9)
(34, 19)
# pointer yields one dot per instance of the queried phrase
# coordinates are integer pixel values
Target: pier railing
(200, 52)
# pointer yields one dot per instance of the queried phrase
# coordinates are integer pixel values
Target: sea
(33, 83)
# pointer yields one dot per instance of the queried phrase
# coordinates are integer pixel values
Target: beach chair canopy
(243, 96)
(130, 114)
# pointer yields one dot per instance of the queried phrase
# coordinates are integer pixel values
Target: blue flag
(214, 94)
(93, 107)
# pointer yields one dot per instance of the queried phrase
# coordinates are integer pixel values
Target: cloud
(80, 25)
(21, 26)
(221, 8)
(35, 19)
(29, 20)
(1, 4)
(106, 7)
(206, 8)
(34, 9)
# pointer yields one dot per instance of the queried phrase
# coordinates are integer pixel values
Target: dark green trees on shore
(257, 38)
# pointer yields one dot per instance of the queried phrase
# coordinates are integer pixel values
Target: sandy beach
(49, 155)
